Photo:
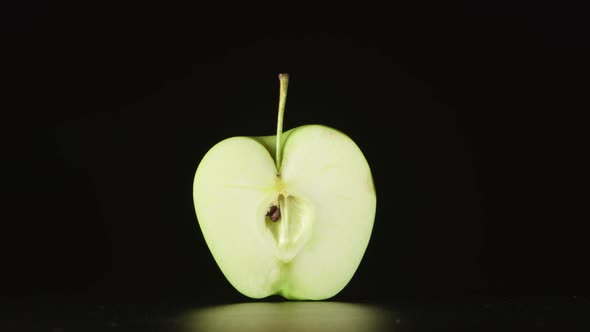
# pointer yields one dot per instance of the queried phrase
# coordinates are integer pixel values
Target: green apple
(290, 214)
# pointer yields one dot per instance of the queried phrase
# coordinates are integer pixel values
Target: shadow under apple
(289, 316)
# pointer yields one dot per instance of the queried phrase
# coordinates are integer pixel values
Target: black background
(465, 113)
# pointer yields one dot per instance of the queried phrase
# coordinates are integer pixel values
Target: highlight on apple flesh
(289, 214)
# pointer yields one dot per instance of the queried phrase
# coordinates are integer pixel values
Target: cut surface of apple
(323, 190)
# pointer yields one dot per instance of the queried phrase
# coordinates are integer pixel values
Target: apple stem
(284, 84)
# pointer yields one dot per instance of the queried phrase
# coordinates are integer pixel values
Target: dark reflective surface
(289, 316)
(563, 313)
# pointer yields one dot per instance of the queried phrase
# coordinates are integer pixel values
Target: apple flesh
(298, 230)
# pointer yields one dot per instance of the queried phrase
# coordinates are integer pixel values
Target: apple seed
(274, 213)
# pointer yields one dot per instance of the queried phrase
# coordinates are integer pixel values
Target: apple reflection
(289, 316)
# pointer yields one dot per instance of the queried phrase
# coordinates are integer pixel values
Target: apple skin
(325, 187)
